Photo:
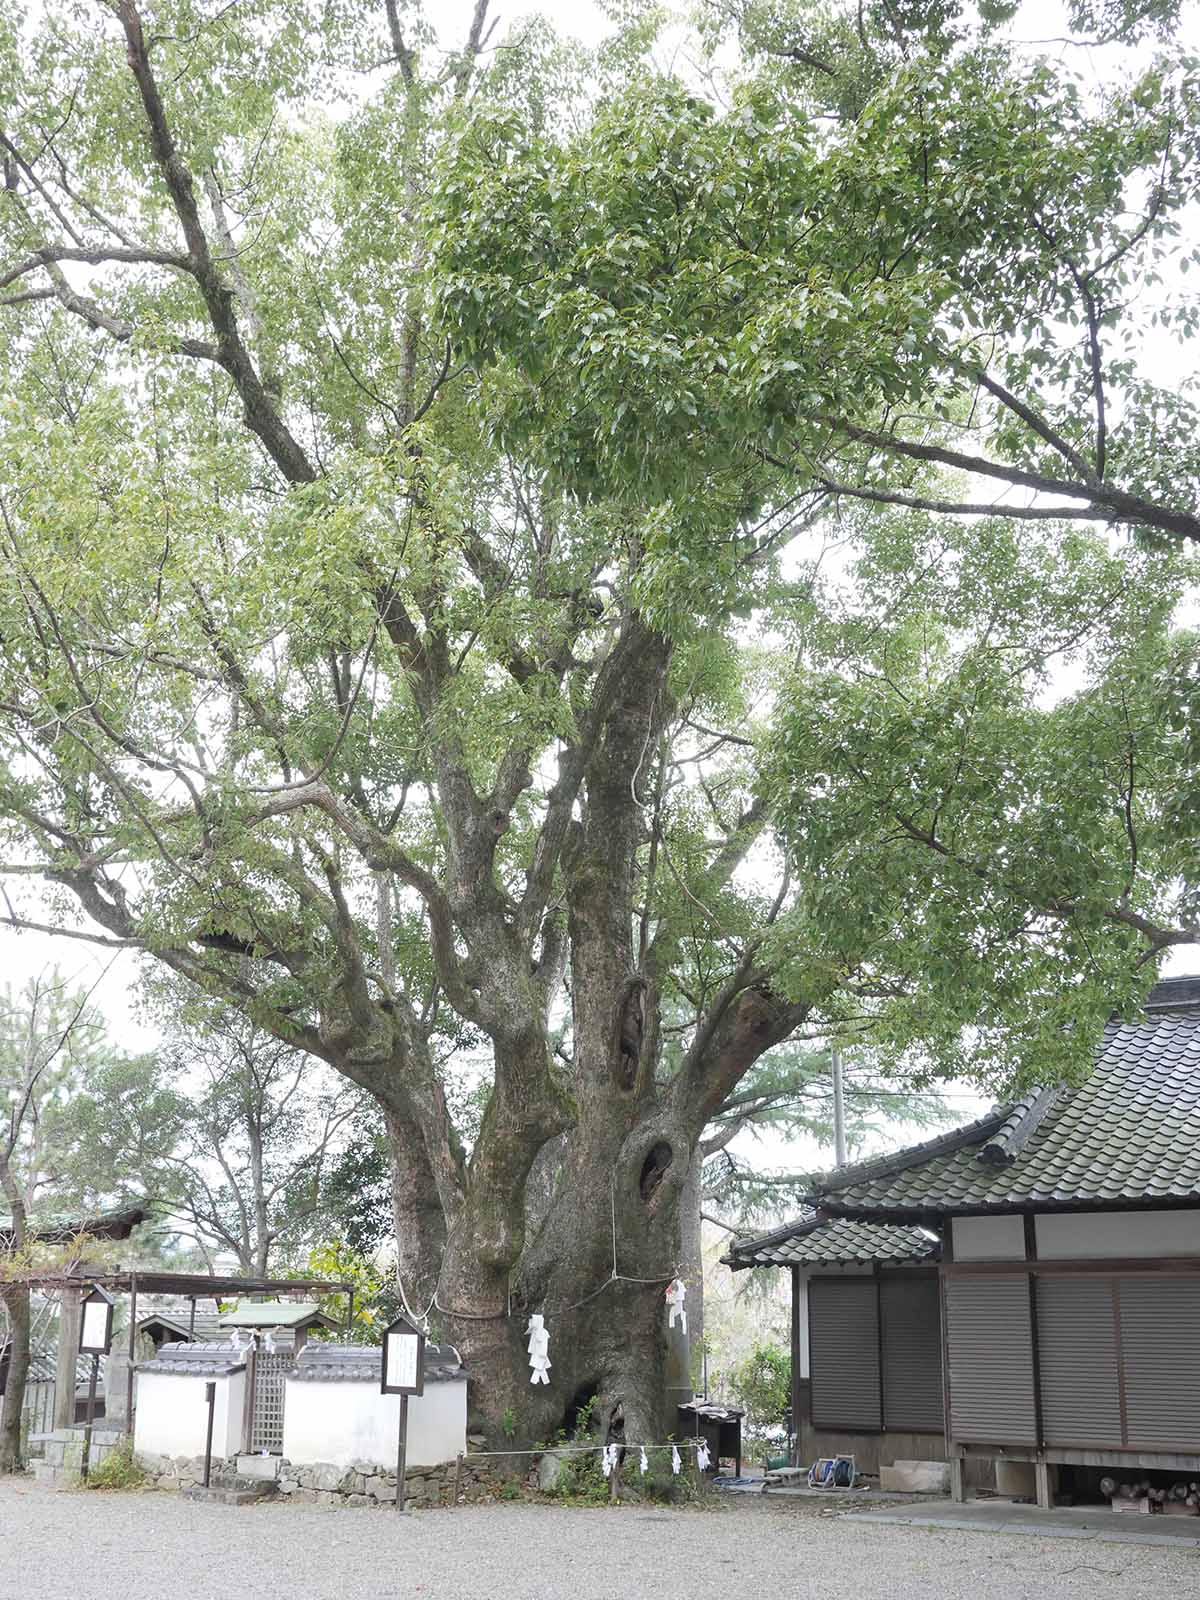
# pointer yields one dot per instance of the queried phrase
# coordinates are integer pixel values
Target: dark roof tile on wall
(834, 1242)
(1128, 1136)
(360, 1363)
(198, 1360)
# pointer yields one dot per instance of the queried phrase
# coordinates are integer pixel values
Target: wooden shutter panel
(843, 1342)
(1160, 1348)
(989, 1359)
(910, 1312)
(1077, 1362)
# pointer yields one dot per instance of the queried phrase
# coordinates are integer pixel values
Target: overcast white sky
(22, 954)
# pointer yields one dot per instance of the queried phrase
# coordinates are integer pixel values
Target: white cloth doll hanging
(702, 1455)
(676, 1295)
(643, 1464)
(539, 1350)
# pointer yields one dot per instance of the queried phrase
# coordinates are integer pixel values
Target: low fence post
(210, 1396)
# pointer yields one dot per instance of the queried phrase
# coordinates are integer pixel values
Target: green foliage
(963, 830)
(82, 1124)
(357, 1196)
(119, 1470)
(788, 1093)
(699, 309)
(763, 1386)
(376, 1302)
(581, 1479)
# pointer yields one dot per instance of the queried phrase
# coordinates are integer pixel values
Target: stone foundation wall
(362, 1484)
(61, 1460)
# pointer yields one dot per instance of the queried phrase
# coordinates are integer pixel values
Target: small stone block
(915, 1477)
(243, 1495)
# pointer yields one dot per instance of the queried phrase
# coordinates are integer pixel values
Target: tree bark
(417, 1214)
(15, 1299)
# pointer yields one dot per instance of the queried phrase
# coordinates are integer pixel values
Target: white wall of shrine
(1087, 1235)
(341, 1422)
(172, 1414)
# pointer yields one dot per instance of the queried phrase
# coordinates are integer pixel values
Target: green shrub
(120, 1469)
(763, 1385)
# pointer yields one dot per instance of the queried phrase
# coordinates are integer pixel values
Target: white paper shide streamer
(612, 1458)
(702, 1455)
(676, 1463)
(539, 1350)
(676, 1295)
(644, 1464)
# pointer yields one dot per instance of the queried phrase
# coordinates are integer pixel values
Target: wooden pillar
(129, 1392)
(248, 1399)
(796, 1419)
(70, 1321)
(1044, 1482)
(958, 1479)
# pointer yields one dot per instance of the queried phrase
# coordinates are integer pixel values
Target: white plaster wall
(172, 1414)
(988, 1238)
(345, 1422)
(1067, 1235)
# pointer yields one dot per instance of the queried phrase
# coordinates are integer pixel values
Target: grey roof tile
(811, 1241)
(1128, 1135)
(176, 1315)
(198, 1360)
(321, 1362)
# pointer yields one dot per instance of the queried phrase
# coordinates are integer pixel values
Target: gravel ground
(80, 1546)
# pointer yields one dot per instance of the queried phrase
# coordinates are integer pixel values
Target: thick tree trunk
(609, 1244)
(417, 1213)
(15, 1299)
(597, 1259)
(606, 1314)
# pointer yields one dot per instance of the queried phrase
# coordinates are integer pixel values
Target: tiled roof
(176, 1317)
(1128, 1136)
(61, 1229)
(43, 1366)
(360, 1363)
(277, 1314)
(207, 1360)
(834, 1242)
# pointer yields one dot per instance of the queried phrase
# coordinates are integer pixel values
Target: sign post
(95, 1340)
(403, 1373)
(210, 1400)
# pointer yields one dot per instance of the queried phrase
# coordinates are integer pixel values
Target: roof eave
(931, 1212)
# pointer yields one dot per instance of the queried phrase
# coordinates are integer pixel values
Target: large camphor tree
(488, 564)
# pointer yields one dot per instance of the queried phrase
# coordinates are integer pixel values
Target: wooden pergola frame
(191, 1286)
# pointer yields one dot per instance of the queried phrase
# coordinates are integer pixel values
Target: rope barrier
(692, 1443)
